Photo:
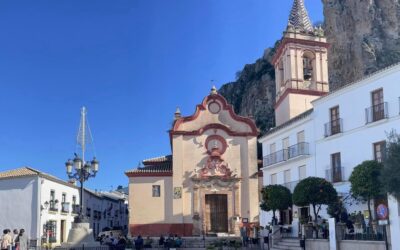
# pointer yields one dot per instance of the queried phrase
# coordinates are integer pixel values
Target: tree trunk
(315, 221)
(369, 213)
(273, 218)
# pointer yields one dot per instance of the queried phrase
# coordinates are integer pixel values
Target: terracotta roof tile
(161, 164)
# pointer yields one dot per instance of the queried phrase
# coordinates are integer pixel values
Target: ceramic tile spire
(299, 18)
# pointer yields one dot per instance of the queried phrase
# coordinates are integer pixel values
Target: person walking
(6, 240)
(22, 240)
(14, 238)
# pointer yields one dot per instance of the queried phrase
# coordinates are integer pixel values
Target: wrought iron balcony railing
(334, 127)
(334, 175)
(53, 206)
(65, 207)
(299, 149)
(376, 112)
(75, 209)
(291, 185)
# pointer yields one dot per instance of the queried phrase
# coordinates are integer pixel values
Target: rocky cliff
(364, 37)
(253, 93)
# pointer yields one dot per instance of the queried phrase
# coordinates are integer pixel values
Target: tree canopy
(391, 170)
(315, 191)
(365, 182)
(275, 197)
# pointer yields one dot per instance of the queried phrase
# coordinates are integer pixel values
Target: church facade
(208, 185)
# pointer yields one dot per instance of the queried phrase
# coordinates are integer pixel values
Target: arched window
(308, 68)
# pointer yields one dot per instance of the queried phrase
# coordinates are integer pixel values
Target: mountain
(364, 37)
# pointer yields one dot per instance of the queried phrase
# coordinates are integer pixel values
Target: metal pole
(81, 197)
(386, 240)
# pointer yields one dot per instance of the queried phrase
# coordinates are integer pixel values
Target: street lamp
(78, 169)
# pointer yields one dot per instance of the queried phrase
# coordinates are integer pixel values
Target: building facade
(329, 134)
(46, 206)
(106, 211)
(210, 182)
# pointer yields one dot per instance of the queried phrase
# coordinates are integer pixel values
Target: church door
(217, 213)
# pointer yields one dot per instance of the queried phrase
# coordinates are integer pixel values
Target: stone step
(278, 247)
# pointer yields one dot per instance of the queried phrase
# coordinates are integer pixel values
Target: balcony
(75, 209)
(376, 112)
(334, 127)
(65, 207)
(53, 206)
(299, 149)
(291, 185)
(335, 175)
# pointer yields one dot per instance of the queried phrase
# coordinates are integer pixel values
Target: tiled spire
(299, 19)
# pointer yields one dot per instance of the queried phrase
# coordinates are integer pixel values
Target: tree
(337, 210)
(365, 182)
(315, 191)
(391, 171)
(275, 197)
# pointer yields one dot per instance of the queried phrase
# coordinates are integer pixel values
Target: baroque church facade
(208, 185)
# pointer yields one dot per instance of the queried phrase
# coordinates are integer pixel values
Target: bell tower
(301, 65)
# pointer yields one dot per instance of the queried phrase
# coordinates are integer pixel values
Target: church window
(156, 191)
(308, 68)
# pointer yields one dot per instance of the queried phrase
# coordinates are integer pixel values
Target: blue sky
(131, 63)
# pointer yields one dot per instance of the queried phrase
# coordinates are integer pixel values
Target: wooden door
(217, 213)
(378, 109)
(335, 122)
(62, 231)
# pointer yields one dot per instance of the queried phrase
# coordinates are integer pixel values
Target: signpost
(382, 212)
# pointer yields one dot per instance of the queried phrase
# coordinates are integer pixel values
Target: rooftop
(299, 19)
(161, 164)
(28, 171)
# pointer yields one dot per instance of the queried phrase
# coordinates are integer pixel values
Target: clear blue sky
(131, 62)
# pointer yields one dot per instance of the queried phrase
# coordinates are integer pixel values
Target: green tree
(365, 182)
(337, 210)
(275, 197)
(391, 170)
(316, 192)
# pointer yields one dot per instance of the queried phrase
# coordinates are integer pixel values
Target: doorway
(217, 213)
(62, 231)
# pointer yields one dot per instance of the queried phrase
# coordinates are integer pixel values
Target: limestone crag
(364, 37)
(253, 93)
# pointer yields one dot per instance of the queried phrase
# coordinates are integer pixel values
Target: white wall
(355, 143)
(46, 215)
(306, 125)
(19, 204)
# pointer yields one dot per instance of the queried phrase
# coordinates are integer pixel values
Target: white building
(40, 203)
(106, 210)
(45, 206)
(320, 133)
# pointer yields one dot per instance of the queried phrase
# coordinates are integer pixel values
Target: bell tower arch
(301, 65)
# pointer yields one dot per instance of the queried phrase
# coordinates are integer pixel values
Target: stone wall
(314, 244)
(361, 245)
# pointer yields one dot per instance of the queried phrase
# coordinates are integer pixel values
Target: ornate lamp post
(78, 169)
(81, 170)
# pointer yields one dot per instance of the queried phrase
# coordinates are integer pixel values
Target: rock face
(253, 94)
(364, 37)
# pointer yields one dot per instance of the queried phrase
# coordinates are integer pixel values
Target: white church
(320, 132)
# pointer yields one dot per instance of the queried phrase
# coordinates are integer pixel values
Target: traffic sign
(382, 211)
